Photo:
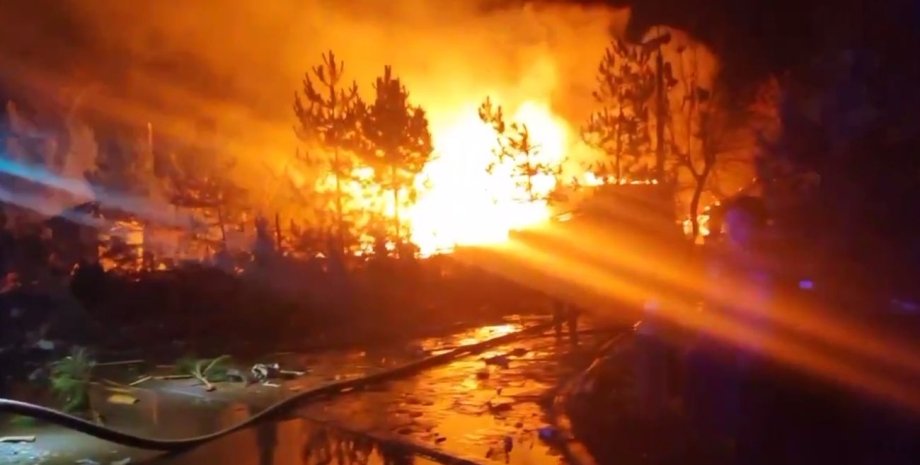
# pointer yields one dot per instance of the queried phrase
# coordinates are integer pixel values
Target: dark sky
(754, 37)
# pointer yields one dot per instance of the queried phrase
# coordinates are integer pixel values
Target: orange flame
(460, 200)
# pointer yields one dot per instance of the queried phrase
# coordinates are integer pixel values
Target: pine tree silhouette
(328, 116)
(398, 141)
(515, 146)
(621, 128)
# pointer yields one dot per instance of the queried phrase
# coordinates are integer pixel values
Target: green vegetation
(20, 421)
(70, 380)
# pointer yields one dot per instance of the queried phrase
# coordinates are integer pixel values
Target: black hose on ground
(127, 439)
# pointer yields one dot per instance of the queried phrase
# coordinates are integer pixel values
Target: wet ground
(482, 408)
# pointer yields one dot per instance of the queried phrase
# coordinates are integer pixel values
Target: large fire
(460, 200)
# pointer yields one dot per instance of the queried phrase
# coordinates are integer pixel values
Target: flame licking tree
(328, 114)
(517, 149)
(398, 140)
(713, 136)
(620, 130)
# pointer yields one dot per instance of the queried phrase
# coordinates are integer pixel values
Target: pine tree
(398, 140)
(516, 147)
(199, 182)
(328, 116)
(621, 128)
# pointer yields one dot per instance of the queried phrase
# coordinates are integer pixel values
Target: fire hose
(127, 439)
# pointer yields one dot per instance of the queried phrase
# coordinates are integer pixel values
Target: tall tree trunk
(277, 231)
(617, 140)
(220, 222)
(530, 193)
(694, 211)
(695, 200)
(396, 207)
(660, 111)
(339, 216)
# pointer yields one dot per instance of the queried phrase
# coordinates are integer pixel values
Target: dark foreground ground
(495, 407)
(798, 419)
(485, 408)
(204, 311)
(500, 406)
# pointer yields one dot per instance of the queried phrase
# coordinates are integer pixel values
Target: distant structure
(117, 239)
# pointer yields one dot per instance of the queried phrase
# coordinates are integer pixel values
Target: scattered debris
(142, 379)
(121, 362)
(17, 438)
(113, 384)
(500, 404)
(122, 399)
(264, 371)
(171, 377)
(205, 370)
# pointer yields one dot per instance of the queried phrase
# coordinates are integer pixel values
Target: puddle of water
(470, 336)
(287, 442)
(486, 411)
(490, 412)
(294, 441)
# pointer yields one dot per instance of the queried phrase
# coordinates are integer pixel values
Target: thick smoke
(238, 63)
